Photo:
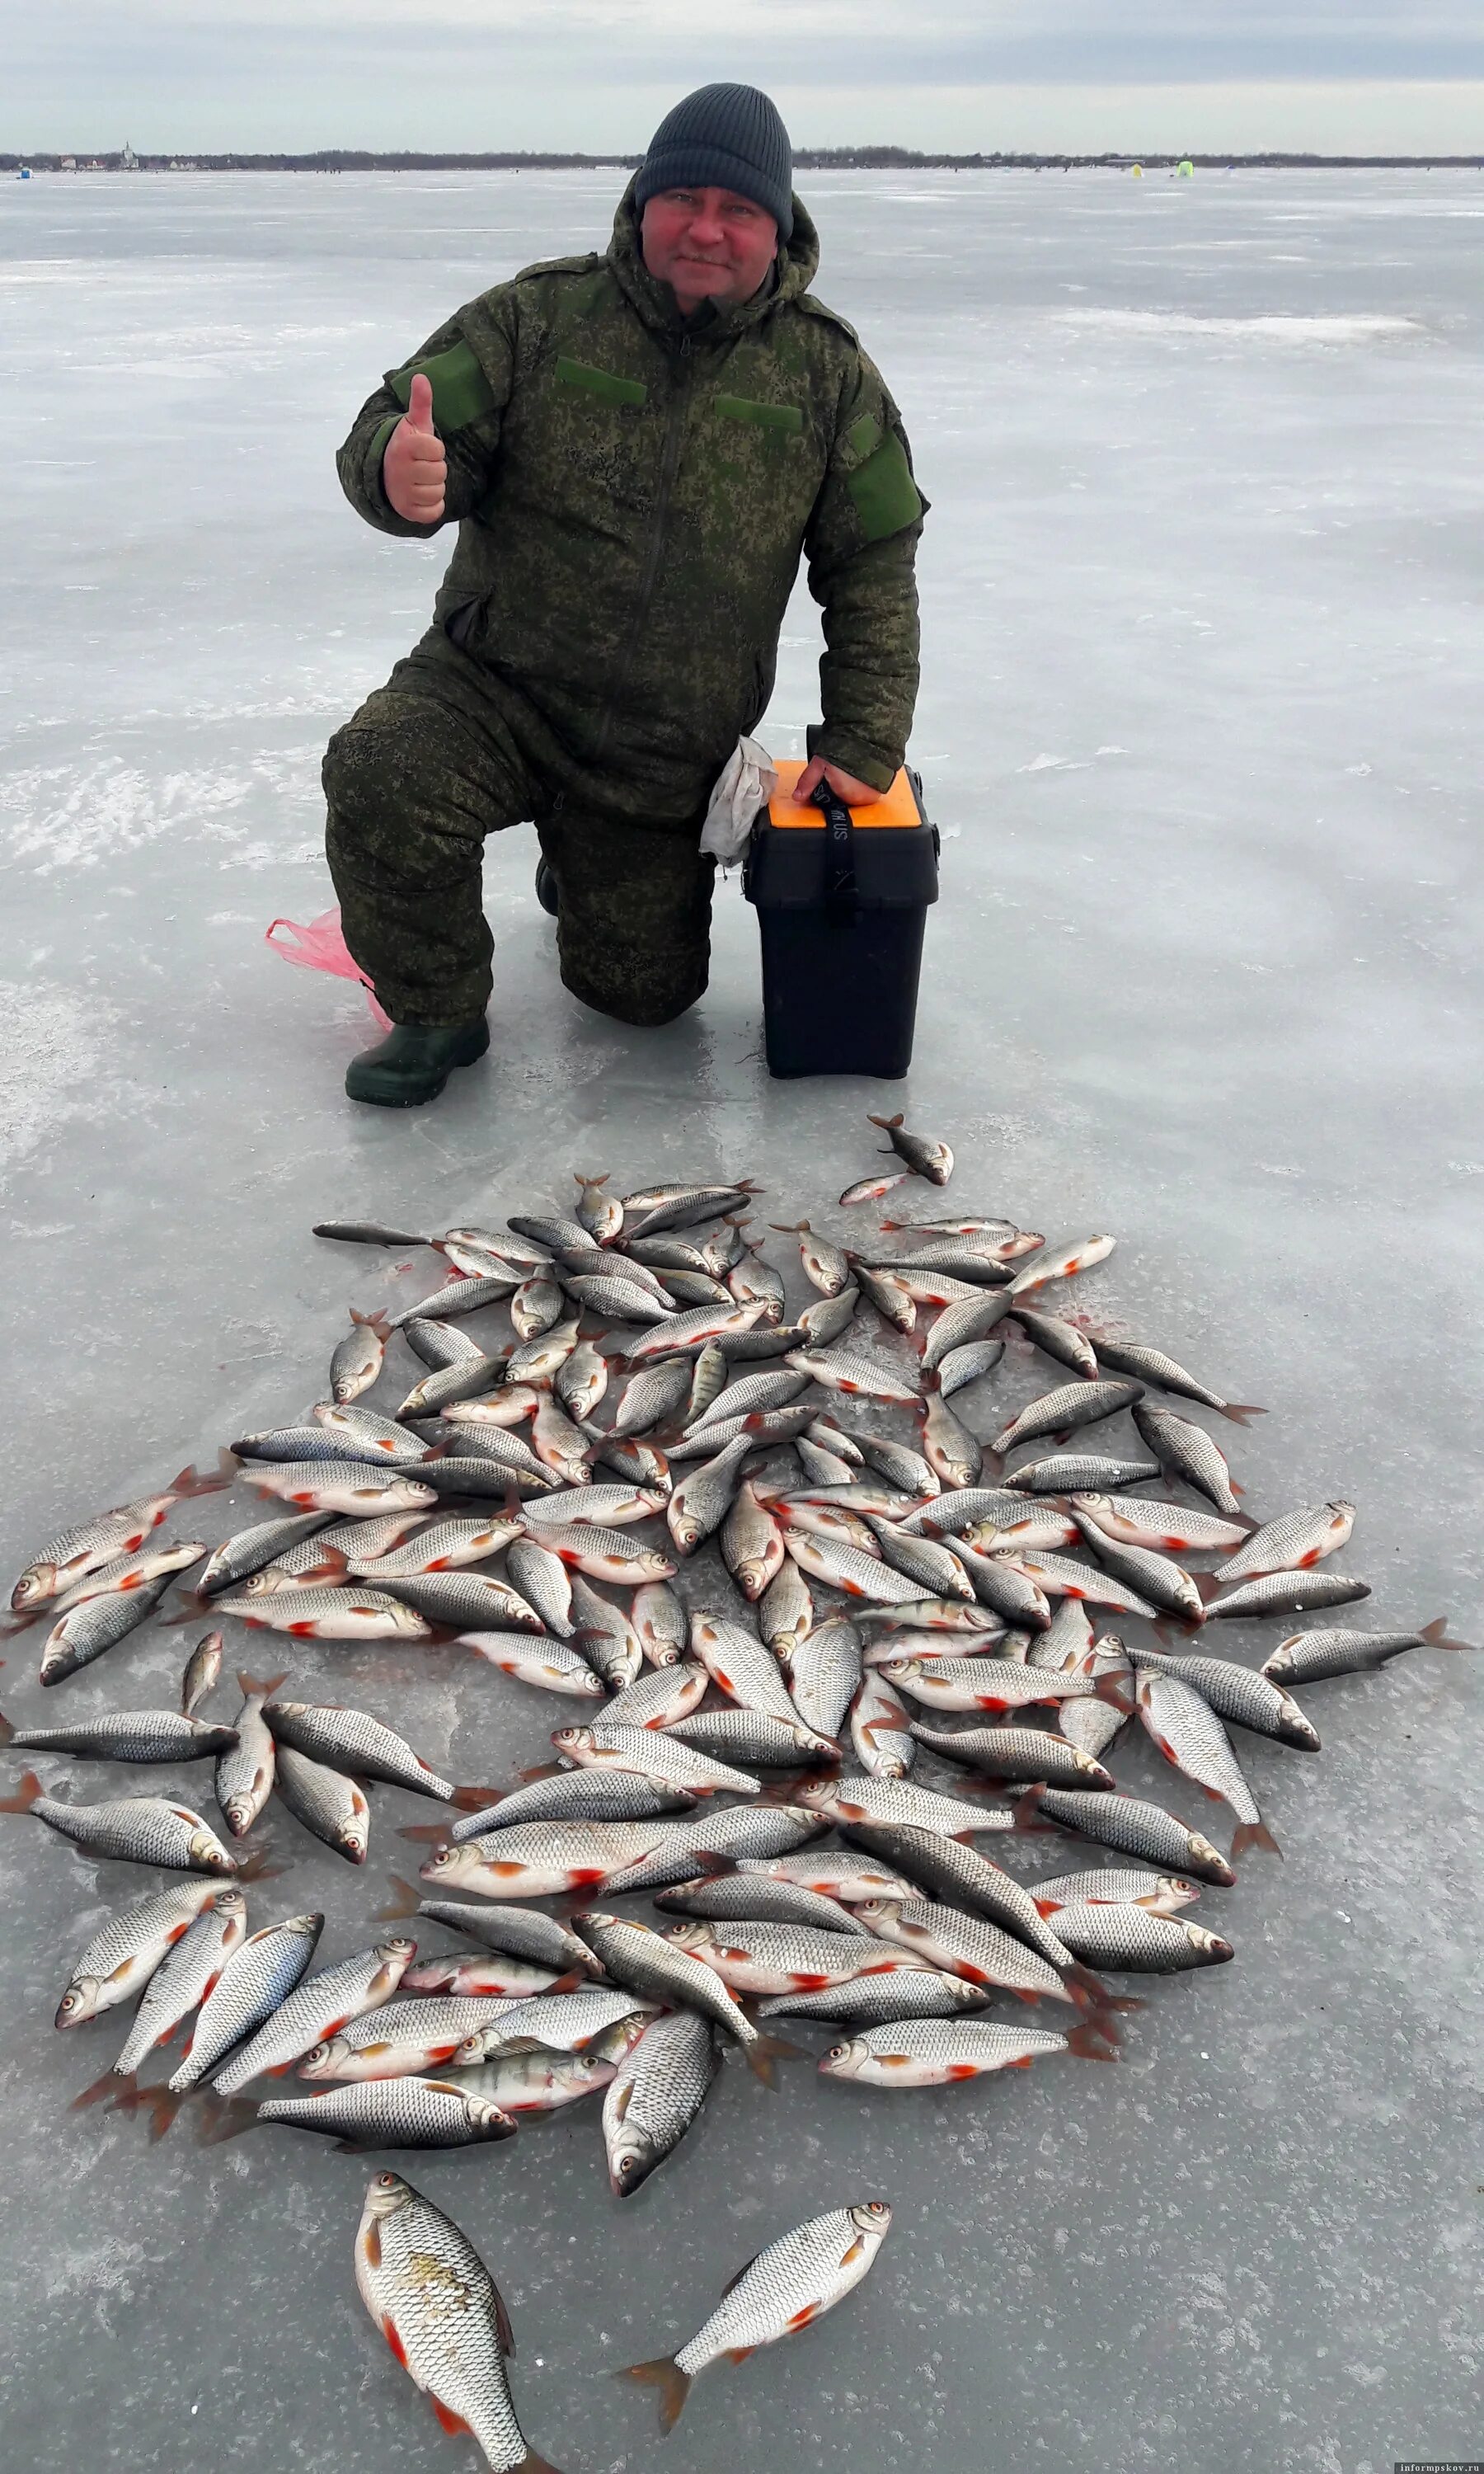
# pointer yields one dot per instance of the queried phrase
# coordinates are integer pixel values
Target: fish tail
(256, 1867)
(531, 2464)
(192, 1608)
(251, 1686)
(1254, 1834)
(1241, 1412)
(425, 1834)
(405, 1902)
(790, 1227)
(665, 2375)
(1086, 2043)
(1113, 1689)
(7, 1731)
(107, 2085)
(28, 1792)
(1435, 1635)
(474, 1799)
(225, 2116)
(190, 1480)
(161, 2102)
(762, 2051)
(1026, 1811)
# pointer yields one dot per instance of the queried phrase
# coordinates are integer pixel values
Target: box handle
(839, 846)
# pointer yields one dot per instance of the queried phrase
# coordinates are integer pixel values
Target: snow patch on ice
(49, 1046)
(67, 817)
(1274, 328)
(101, 2269)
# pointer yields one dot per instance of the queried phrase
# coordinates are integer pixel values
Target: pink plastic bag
(321, 947)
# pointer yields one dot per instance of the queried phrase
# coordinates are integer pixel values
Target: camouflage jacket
(634, 491)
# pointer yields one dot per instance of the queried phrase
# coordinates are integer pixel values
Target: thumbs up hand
(415, 469)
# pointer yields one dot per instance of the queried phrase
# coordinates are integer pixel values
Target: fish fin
(107, 2085)
(745, 2353)
(739, 2275)
(405, 1902)
(764, 2050)
(544, 1769)
(1087, 2045)
(7, 1731)
(572, 1982)
(425, 1834)
(251, 1686)
(474, 1799)
(192, 1609)
(256, 1867)
(1435, 1635)
(1241, 1412)
(1026, 1811)
(503, 2329)
(664, 2374)
(333, 1567)
(531, 2464)
(1255, 1833)
(225, 2116)
(453, 2423)
(389, 2326)
(160, 2102)
(1206, 1585)
(191, 1482)
(28, 1792)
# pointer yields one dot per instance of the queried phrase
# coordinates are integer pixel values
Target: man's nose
(706, 228)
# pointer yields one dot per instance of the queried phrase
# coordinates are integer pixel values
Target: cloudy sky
(1336, 75)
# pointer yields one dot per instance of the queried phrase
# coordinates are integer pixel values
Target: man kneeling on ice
(636, 448)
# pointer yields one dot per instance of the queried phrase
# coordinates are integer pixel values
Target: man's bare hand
(415, 469)
(855, 794)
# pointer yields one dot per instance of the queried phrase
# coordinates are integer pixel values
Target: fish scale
(542, 1859)
(318, 2008)
(575, 1795)
(131, 1829)
(429, 2293)
(1192, 1739)
(983, 1683)
(1069, 1472)
(399, 2037)
(448, 1545)
(968, 1946)
(330, 1805)
(260, 1974)
(349, 1739)
(566, 2023)
(1129, 1937)
(1069, 1406)
(752, 1737)
(184, 1978)
(899, 1801)
(768, 1958)
(131, 1572)
(740, 1830)
(127, 1736)
(1184, 1449)
(654, 1966)
(517, 1931)
(1130, 1827)
(902, 1992)
(652, 1752)
(352, 1489)
(655, 2096)
(753, 1897)
(918, 2053)
(1111, 1885)
(1312, 1657)
(410, 2112)
(125, 1952)
(740, 1666)
(1238, 1695)
(96, 1625)
(245, 1772)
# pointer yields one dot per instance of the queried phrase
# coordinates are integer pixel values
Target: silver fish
(868, 2001)
(581, 1381)
(654, 1966)
(1182, 1722)
(77, 1552)
(766, 1958)
(1152, 1366)
(604, 1636)
(448, 1547)
(439, 1343)
(357, 1360)
(582, 2022)
(332, 1806)
(1057, 1339)
(605, 1554)
(319, 2008)
(575, 1795)
(785, 1612)
(1287, 1593)
(682, 1207)
(871, 1189)
(97, 1625)
(982, 1682)
(395, 2113)
(661, 1623)
(348, 1740)
(1183, 1449)
(924, 1157)
(358, 1613)
(826, 1265)
(1068, 1473)
(700, 1503)
(466, 1600)
(753, 1897)
(824, 1675)
(1065, 1264)
(353, 1488)
(839, 1873)
(829, 1319)
(123, 1955)
(929, 2053)
(956, 1455)
(238, 1558)
(855, 1575)
(1312, 1657)
(260, 1974)
(653, 1396)
(852, 1374)
(795, 2280)
(897, 1801)
(1237, 1695)
(1295, 1544)
(1110, 1885)
(410, 2034)
(708, 1379)
(131, 1572)
(1075, 1404)
(1130, 1938)
(661, 1697)
(680, 1333)
(535, 1361)
(245, 1772)
(1022, 1754)
(447, 1387)
(692, 1847)
(655, 2095)
(129, 1830)
(186, 1977)
(202, 1669)
(880, 1731)
(531, 1659)
(964, 1945)
(543, 1581)
(1170, 1528)
(543, 1860)
(969, 1319)
(953, 1513)
(747, 1735)
(518, 1930)
(935, 1568)
(463, 1295)
(1130, 1827)
(739, 1665)
(968, 1364)
(652, 1752)
(752, 1544)
(124, 1735)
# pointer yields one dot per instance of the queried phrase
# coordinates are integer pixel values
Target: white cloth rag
(743, 788)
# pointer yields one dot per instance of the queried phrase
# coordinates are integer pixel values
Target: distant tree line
(816, 158)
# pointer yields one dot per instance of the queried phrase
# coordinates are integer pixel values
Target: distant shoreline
(826, 158)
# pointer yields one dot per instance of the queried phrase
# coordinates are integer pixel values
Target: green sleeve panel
(469, 363)
(862, 553)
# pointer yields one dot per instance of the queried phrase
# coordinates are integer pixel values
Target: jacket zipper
(649, 575)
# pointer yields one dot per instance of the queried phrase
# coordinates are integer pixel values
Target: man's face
(707, 245)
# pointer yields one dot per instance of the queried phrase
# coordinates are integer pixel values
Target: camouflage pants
(429, 765)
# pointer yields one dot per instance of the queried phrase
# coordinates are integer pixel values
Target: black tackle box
(842, 897)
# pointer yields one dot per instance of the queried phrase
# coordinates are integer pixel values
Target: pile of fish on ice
(895, 1588)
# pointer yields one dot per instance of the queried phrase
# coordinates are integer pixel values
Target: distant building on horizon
(129, 161)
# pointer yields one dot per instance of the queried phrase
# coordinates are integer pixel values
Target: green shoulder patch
(885, 493)
(605, 384)
(460, 390)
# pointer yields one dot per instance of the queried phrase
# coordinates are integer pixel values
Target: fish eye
(384, 2181)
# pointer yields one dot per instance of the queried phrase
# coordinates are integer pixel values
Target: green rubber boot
(411, 1064)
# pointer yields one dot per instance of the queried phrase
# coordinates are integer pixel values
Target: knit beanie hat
(723, 137)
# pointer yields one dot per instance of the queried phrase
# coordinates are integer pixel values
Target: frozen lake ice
(1202, 656)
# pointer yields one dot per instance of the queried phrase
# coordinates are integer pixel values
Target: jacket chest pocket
(762, 457)
(588, 444)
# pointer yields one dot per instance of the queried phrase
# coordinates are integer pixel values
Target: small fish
(555, 1231)
(535, 2081)
(1075, 1404)
(737, 1830)
(956, 1455)
(752, 1280)
(202, 1669)
(467, 1378)
(258, 1975)
(420, 2033)
(448, 1547)
(531, 1659)
(656, 2094)
(839, 1873)
(856, 1575)
(826, 1265)
(739, 1665)
(970, 1320)
(1287, 1593)
(953, 1513)
(129, 1830)
(752, 1544)
(350, 1741)
(365, 1232)
(439, 1343)
(1064, 1265)
(1187, 1729)
(353, 1488)
(97, 1625)
(357, 1360)
(827, 1319)
(661, 1254)
(682, 1207)
(1034, 1528)
(880, 1730)
(653, 1396)
(1152, 1366)
(1009, 1586)
(1130, 1826)
(435, 2302)
(785, 1612)
(462, 1294)
(125, 1736)
(765, 1427)
(619, 1299)
(856, 1376)
(969, 1945)
(794, 2281)
(661, 1697)
(358, 1613)
(186, 1977)
(1060, 1340)
(1022, 1754)
(923, 1157)
(581, 1381)
(929, 2053)
(542, 1859)
(751, 1898)
(1313, 1657)
(468, 1978)
(1172, 1528)
(825, 1672)
(968, 1364)
(1067, 1473)
(131, 1572)
(702, 1501)
(1237, 1695)
(1295, 1544)
(871, 1189)
(651, 1753)
(580, 2022)
(77, 1552)
(1132, 1939)
(1141, 1580)
(573, 1795)
(982, 1682)
(1185, 1450)
(901, 1804)
(396, 2113)
(749, 1735)
(238, 1558)
(543, 1581)
(124, 1954)
(708, 1382)
(318, 2008)
(932, 1615)
(535, 1361)
(892, 1298)
(766, 1958)
(870, 2000)
(1113, 1887)
(683, 1332)
(659, 1622)
(659, 1968)
(519, 1930)
(820, 1466)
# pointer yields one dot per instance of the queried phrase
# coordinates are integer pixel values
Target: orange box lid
(897, 807)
